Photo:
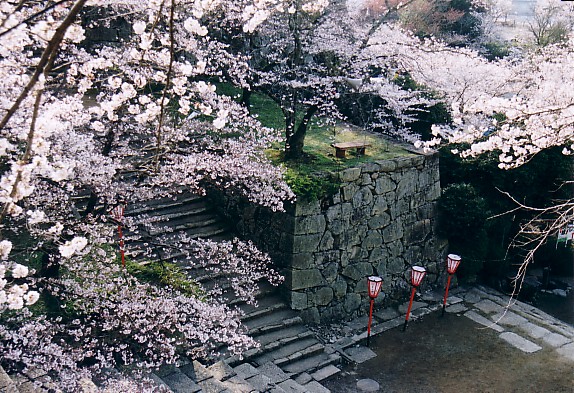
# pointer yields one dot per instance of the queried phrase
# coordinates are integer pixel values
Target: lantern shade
(117, 212)
(452, 262)
(374, 284)
(417, 275)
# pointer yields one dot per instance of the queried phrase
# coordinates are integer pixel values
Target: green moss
(166, 274)
(314, 175)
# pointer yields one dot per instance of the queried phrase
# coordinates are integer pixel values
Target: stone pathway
(520, 325)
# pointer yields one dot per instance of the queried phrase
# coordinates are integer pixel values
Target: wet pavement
(478, 346)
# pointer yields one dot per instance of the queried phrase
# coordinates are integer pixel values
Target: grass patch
(165, 273)
(315, 174)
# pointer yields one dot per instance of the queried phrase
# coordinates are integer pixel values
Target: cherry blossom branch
(31, 17)
(43, 64)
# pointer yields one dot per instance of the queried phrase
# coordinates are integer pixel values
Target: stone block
(349, 191)
(379, 221)
(489, 307)
(555, 340)
(473, 315)
(416, 305)
(520, 342)
(377, 255)
(360, 354)
(260, 382)
(334, 213)
(357, 271)
(308, 278)
(370, 167)
(306, 208)
(245, 370)
(407, 185)
(309, 224)
(238, 385)
(302, 260)
(387, 166)
(373, 239)
(340, 287)
(221, 371)
(299, 300)
(395, 265)
(380, 205)
(433, 192)
(534, 330)
(456, 308)
(326, 242)
(274, 373)
(418, 232)
(366, 180)
(350, 174)
(306, 243)
(323, 296)
(315, 387)
(330, 272)
(311, 315)
(394, 231)
(472, 296)
(567, 351)
(386, 314)
(508, 318)
(367, 385)
(303, 379)
(325, 372)
(384, 185)
(352, 302)
(362, 197)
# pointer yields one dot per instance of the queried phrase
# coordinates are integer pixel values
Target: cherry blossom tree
(516, 107)
(84, 127)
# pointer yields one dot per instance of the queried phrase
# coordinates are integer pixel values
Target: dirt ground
(453, 354)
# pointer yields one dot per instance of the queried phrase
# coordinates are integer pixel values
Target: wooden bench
(341, 148)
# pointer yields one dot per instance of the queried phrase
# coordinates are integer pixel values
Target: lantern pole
(452, 262)
(417, 274)
(374, 284)
(118, 215)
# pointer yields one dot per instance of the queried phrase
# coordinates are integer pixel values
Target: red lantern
(374, 284)
(452, 262)
(117, 214)
(417, 275)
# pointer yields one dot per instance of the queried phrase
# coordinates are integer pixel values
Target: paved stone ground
(519, 324)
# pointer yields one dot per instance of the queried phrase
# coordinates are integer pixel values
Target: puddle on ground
(454, 354)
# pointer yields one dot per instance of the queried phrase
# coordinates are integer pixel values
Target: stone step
(208, 231)
(173, 211)
(265, 305)
(311, 364)
(272, 322)
(284, 336)
(178, 381)
(198, 222)
(293, 351)
(7, 385)
(157, 205)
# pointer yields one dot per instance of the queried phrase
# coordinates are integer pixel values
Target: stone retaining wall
(381, 221)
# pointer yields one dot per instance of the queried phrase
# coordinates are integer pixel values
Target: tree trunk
(296, 138)
(246, 98)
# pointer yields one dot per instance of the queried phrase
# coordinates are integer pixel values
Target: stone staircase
(290, 357)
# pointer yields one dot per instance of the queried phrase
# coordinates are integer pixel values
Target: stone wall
(381, 221)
